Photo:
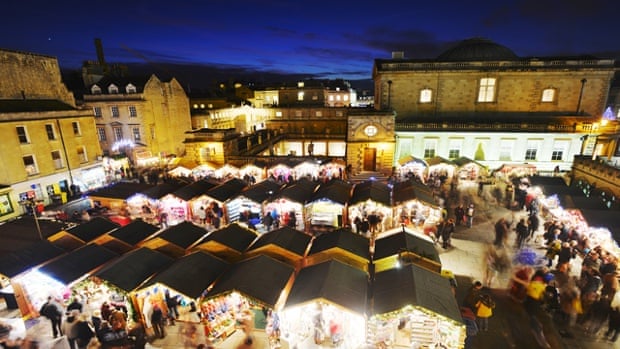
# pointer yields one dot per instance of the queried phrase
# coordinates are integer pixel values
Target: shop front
(247, 206)
(173, 210)
(371, 201)
(145, 205)
(289, 199)
(327, 208)
(468, 169)
(252, 173)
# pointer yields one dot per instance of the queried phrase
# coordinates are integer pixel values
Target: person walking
(484, 310)
(70, 329)
(157, 320)
(522, 233)
(446, 233)
(459, 214)
(53, 311)
(470, 215)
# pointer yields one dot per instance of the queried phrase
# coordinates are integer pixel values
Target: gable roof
(335, 190)
(404, 240)
(286, 237)
(183, 234)
(38, 252)
(343, 239)
(94, 228)
(234, 236)
(134, 232)
(376, 191)
(77, 263)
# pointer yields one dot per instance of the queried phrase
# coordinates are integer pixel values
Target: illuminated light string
(123, 143)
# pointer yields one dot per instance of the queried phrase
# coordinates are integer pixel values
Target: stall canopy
(36, 253)
(228, 243)
(132, 269)
(343, 245)
(190, 275)
(396, 288)
(159, 191)
(119, 191)
(404, 243)
(334, 190)
(134, 232)
(261, 191)
(260, 278)
(194, 189)
(378, 192)
(176, 240)
(463, 160)
(411, 190)
(437, 160)
(20, 233)
(285, 244)
(331, 281)
(226, 190)
(74, 265)
(300, 191)
(412, 159)
(92, 229)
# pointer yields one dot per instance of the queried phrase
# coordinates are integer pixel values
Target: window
(118, 133)
(300, 96)
(57, 159)
(430, 146)
(97, 111)
(30, 165)
(136, 133)
(559, 148)
(531, 149)
(316, 98)
(115, 112)
(345, 97)
(22, 134)
(130, 88)
(81, 152)
(96, 90)
(101, 134)
(278, 114)
(454, 148)
(319, 113)
(51, 134)
(298, 113)
(487, 90)
(112, 89)
(426, 95)
(133, 112)
(548, 95)
(505, 149)
(76, 128)
(331, 98)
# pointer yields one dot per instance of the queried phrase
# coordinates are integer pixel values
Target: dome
(478, 49)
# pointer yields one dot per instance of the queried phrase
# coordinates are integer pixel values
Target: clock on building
(370, 131)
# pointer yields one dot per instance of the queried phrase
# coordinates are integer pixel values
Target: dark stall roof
(332, 281)
(159, 191)
(404, 240)
(300, 191)
(192, 274)
(194, 189)
(227, 189)
(120, 190)
(396, 288)
(410, 190)
(134, 232)
(234, 236)
(261, 278)
(372, 190)
(605, 218)
(335, 190)
(75, 264)
(287, 238)
(344, 239)
(20, 261)
(261, 191)
(132, 269)
(20, 233)
(183, 234)
(92, 229)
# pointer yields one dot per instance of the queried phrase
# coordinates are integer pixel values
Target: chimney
(99, 48)
(398, 55)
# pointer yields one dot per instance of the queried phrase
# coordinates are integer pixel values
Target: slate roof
(32, 105)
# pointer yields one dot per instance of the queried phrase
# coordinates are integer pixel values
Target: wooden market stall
(285, 244)
(412, 168)
(125, 239)
(343, 245)
(400, 246)
(228, 243)
(291, 198)
(176, 205)
(84, 233)
(327, 208)
(177, 240)
(371, 198)
(247, 206)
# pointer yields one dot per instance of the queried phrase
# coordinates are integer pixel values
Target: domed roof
(478, 49)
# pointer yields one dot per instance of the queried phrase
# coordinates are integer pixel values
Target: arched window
(426, 95)
(548, 95)
(96, 90)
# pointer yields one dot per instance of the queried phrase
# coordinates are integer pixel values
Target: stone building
(50, 148)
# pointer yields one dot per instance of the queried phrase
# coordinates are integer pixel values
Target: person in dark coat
(459, 213)
(52, 310)
(446, 233)
(157, 320)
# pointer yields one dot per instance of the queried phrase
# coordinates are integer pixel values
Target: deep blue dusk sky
(324, 39)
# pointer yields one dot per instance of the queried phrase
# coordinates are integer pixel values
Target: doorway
(370, 159)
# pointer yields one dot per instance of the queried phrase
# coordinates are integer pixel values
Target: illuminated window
(51, 133)
(57, 159)
(531, 149)
(97, 111)
(278, 114)
(346, 97)
(81, 152)
(331, 97)
(101, 134)
(487, 90)
(76, 128)
(195, 106)
(505, 149)
(338, 97)
(136, 133)
(112, 89)
(319, 113)
(315, 97)
(96, 90)
(30, 165)
(118, 133)
(133, 112)
(559, 148)
(22, 134)
(298, 113)
(454, 148)
(548, 95)
(115, 112)
(430, 147)
(130, 88)
(426, 95)
(300, 96)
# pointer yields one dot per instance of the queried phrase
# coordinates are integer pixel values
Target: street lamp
(32, 206)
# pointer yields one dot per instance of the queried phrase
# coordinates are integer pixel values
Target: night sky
(321, 39)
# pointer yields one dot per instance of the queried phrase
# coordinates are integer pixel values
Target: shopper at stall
(70, 329)
(172, 304)
(75, 305)
(53, 311)
(473, 295)
(459, 213)
(85, 331)
(470, 215)
(484, 310)
(522, 232)
(157, 321)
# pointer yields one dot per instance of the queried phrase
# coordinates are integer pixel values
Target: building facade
(50, 150)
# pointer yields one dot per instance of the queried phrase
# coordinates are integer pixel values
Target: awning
(94, 228)
(38, 252)
(261, 278)
(132, 269)
(76, 264)
(331, 281)
(192, 274)
(396, 288)
(378, 192)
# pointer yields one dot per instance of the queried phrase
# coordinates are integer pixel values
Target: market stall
(468, 169)
(247, 206)
(125, 239)
(249, 287)
(307, 169)
(177, 240)
(175, 206)
(371, 198)
(180, 171)
(226, 172)
(332, 169)
(412, 168)
(441, 168)
(326, 306)
(515, 170)
(413, 307)
(289, 199)
(146, 204)
(114, 197)
(402, 245)
(284, 244)
(204, 170)
(222, 193)
(343, 245)
(414, 205)
(282, 172)
(327, 207)
(228, 243)
(252, 173)
(84, 233)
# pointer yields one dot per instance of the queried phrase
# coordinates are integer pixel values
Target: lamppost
(29, 203)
